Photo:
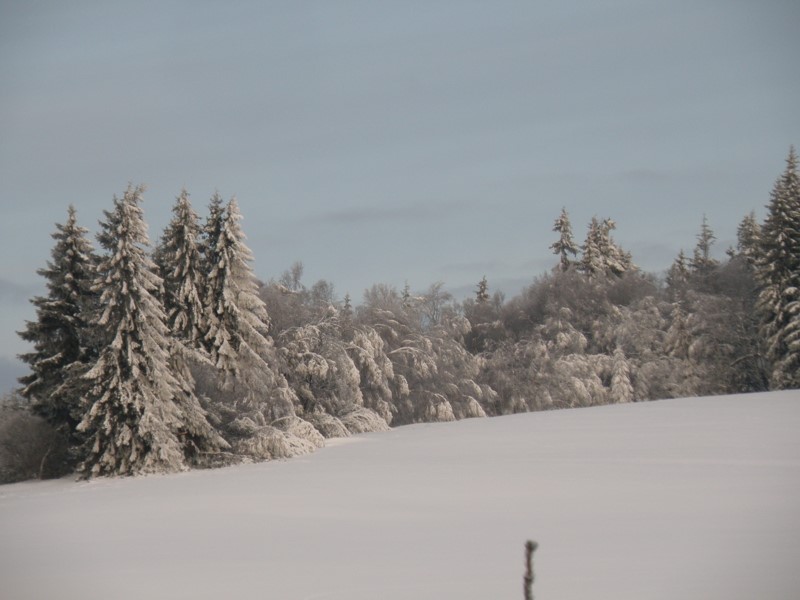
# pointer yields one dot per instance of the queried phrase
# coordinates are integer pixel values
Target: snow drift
(676, 499)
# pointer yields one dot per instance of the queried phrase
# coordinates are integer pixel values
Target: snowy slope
(678, 499)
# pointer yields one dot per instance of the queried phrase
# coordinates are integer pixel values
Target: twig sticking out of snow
(530, 547)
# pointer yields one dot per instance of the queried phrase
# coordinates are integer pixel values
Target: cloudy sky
(388, 142)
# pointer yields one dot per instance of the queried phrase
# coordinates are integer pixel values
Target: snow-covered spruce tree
(179, 263)
(140, 417)
(63, 348)
(778, 272)
(601, 255)
(748, 239)
(565, 245)
(248, 398)
(617, 261)
(236, 338)
(621, 387)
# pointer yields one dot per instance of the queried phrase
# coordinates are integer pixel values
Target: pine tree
(565, 245)
(617, 261)
(778, 272)
(482, 294)
(601, 255)
(406, 296)
(179, 261)
(748, 236)
(237, 338)
(621, 387)
(139, 412)
(702, 263)
(62, 344)
(592, 262)
(678, 274)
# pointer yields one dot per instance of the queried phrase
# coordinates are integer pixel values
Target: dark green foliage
(64, 343)
(778, 272)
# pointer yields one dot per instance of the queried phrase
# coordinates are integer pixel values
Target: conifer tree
(63, 348)
(140, 415)
(748, 236)
(565, 245)
(601, 255)
(617, 261)
(237, 338)
(407, 300)
(621, 387)
(678, 274)
(592, 259)
(701, 262)
(778, 272)
(482, 294)
(179, 261)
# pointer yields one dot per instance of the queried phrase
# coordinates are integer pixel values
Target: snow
(678, 499)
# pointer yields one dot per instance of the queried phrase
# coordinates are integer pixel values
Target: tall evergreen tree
(565, 245)
(141, 418)
(63, 348)
(237, 338)
(702, 263)
(179, 260)
(748, 236)
(482, 294)
(621, 387)
(601, 255)
(778, 271)
(592, 262)
(678, 275)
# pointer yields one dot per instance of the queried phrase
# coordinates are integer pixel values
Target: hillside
(677, 499)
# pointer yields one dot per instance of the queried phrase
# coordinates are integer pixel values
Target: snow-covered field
(693, 498)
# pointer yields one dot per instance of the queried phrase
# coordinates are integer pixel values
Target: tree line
(158, 360)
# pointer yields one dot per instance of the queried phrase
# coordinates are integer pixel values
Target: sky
(393, 142)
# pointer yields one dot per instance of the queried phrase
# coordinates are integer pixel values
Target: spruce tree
(565, 245)
(237, 338)
(778, 272)
(601, 255)
(137, 419)
(63, 348)
(179, 260)
(592, 262)
(748, 236)
(702, 263)
(621, 387)
(617, 261)
(678, 275)
(482, 293)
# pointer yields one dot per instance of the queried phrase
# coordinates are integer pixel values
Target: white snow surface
(678, 499)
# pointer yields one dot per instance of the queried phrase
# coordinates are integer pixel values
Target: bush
(29, 447)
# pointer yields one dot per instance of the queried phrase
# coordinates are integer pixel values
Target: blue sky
(394, 141)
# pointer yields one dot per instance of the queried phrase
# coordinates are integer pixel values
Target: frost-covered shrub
(270, 443)
(302, 429)
(328, 425)
(363, 420)
(437, 408)
(468, 408)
